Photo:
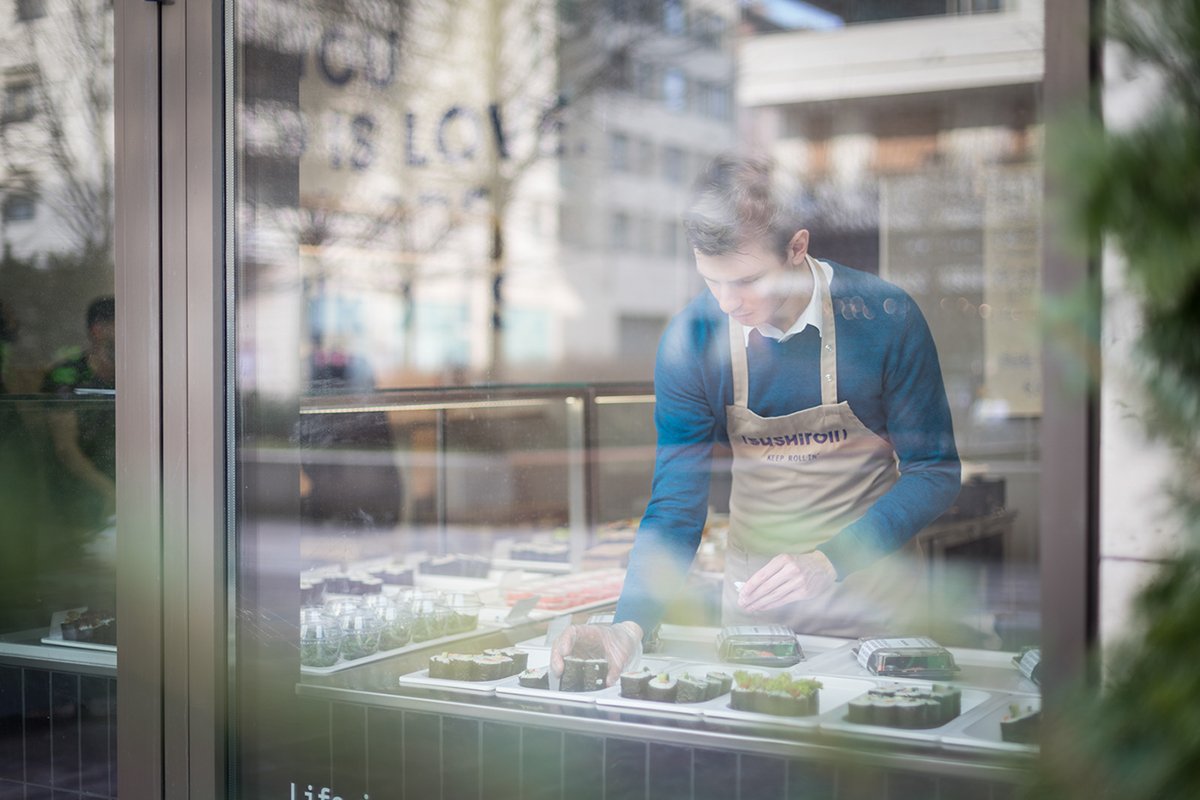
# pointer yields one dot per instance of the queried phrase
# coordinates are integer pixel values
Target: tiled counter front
(420, 749)
(58, 734)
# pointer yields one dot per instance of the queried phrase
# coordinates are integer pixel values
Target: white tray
(54, 635)
(983, 729)
(421, 679)
(973, 700)
(481, 628)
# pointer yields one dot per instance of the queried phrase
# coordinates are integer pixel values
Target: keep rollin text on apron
(797, 481)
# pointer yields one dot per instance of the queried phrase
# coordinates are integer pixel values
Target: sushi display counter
(827, 701)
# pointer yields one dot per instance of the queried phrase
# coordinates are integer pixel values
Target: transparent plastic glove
(787, 578)
(619, 644)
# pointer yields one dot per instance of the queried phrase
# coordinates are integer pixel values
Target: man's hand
(619, 644)
(787, 578)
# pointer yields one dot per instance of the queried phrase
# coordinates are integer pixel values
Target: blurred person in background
(825, 383)
(82, 423)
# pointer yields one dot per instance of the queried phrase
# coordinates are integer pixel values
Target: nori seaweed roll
(595, 673)
(439, 666)
(690, 689)
(537, 678)
(572, 675)
(462, 667)
(661, 688)
(741, 699)
(633, 684)
(724, 681)
(490, 668)
(861, 710)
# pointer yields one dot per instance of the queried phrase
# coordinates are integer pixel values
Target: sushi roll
(519, 658)
(724, 682)
(572, 676)
(778, 703)
(661, 688)
(490, 668)
(861, 710)
(595, 674)
(633, 684)
(950, 699)
(690, 689)
(911, 713)
(461, 667)
(741, 699)
(1021, 726)
(536, 678)
(439, 666)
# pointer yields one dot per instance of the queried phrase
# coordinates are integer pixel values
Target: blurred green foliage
(1139, 191)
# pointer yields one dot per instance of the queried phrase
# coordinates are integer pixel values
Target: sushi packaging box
(905, 657)
(759, 645)
(1029, 662)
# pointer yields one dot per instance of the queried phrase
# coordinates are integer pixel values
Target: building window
(20, 207)
(618, 152)
(645, 161)
(19, 101)
(674, 18)
(675, 89)
(645, 80)
(708, 29)
(619, 231)
(673, 169)
(28, 10)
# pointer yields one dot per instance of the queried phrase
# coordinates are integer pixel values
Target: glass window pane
(502, 271)
(58, 354)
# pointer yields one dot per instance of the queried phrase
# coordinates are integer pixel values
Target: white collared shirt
(811, 315)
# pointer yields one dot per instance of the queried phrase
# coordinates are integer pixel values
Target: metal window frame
(171, 419)
(1069, 516)
(171, 575)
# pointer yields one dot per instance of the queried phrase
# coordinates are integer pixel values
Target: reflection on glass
(57, 317)
(57, 396)
(459, 243)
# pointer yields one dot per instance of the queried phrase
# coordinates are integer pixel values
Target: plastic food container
(759, 645)
(320, 639)
(462, 611)
(430, 617)
(361, 631)
(397, 622)
(905, 657)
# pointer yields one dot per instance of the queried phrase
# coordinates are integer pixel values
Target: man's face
(104, 337)
(752, 285)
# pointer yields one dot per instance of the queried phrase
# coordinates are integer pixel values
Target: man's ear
(798, 247)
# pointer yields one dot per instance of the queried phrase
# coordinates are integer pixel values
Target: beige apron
(797, 481)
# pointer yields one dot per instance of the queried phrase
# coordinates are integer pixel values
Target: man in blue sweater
(824, 382)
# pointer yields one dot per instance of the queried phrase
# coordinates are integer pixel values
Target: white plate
(834, 720)
(983, 729)
(421, 679)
